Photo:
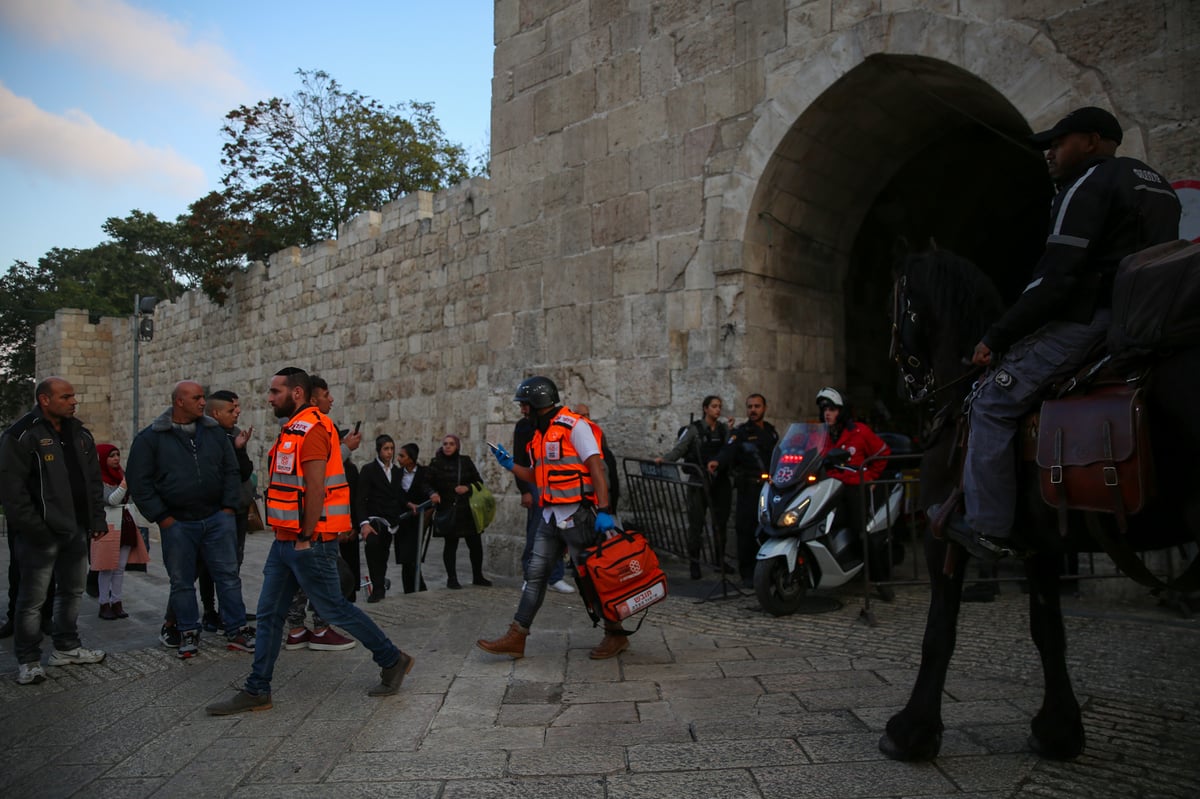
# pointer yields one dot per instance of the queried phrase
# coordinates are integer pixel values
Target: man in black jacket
(1106, 208)
(183, 475)
(51, 489)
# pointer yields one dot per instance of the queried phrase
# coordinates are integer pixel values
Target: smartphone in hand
(495, 447)
(357, 425)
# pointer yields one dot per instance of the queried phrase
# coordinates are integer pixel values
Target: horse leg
(1057, 729)
(915, 733)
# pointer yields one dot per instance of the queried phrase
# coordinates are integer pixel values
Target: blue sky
(111, 105)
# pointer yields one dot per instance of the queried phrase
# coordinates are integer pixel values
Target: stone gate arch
(909, 125)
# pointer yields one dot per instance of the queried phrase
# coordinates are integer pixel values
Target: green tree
(145, 256)
(296, 169)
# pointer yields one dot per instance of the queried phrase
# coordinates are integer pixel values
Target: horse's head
(941, 307)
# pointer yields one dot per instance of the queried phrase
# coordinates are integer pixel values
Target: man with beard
(748, 451)
(308, 507)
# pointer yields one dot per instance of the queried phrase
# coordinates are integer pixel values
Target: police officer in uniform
(700, 442)
(748, 452)
(1106, 208)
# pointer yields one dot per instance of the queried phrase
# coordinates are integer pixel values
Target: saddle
(1093, 451)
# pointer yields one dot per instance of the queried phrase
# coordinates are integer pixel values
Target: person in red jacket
(854, 437)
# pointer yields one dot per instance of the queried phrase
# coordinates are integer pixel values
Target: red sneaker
(298, 640)
(329, 640)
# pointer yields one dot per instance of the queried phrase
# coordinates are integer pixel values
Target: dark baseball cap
(1082, 120)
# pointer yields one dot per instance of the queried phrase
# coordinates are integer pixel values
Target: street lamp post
(143, 330)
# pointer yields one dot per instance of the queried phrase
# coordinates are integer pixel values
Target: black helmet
(539, 392)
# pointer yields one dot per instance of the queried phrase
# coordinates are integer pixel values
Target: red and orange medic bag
(620, 577)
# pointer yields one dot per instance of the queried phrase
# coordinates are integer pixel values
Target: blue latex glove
(503, 457)
(605, 522)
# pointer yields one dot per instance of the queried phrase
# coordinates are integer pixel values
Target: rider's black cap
(1088, 119)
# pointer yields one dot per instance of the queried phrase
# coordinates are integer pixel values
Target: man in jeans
(183, 475)
(50, 487)
(308, 507)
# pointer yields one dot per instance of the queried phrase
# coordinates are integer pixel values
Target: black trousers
(377, 547)
(746, 524)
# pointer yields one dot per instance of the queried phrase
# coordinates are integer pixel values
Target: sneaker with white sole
(241, 641)
(563, 587)
(329, 640)
(77, 655)
(189, 644)
(31, 674)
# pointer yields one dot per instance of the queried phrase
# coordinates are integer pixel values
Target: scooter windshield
(797, 456)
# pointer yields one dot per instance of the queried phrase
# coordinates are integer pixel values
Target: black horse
(943, 306)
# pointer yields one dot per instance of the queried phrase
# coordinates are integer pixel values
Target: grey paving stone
(416, 789)
(734, 706)
(731, 784)
(861, 696)
(384, 767)
(819, 681)
(16, 762)
(527, 788)
(568, 761)
(990, 772)
(628, 690)
(597, 713)
(876, 778)
(704, 755)
(674, 671)
(52, 782)
(397, 726)
(675, 689)
(451, 739)
(779, 726)
(617, 734)
(133, 788)
(528, 715)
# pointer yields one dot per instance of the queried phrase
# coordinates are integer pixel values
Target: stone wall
(679, 194)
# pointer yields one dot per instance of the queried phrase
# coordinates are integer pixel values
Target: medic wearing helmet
(854, 437)
(568, 472)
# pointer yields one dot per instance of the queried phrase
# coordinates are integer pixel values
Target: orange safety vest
(285, 493)
(560, 474)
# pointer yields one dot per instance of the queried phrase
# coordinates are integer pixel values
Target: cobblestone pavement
(713, 699)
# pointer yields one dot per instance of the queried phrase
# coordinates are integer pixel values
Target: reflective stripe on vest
(285, 492)
(562, 477)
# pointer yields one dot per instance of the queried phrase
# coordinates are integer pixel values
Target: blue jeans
(216, 539)
(548, 544)
(1010, 390)
(533, 518)
(64, 558)
(316, 571)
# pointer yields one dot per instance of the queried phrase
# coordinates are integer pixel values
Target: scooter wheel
(779, 591)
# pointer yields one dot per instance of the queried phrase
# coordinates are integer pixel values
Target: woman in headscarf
(122, 544)
(452, 474)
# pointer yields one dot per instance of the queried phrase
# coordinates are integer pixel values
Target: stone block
(512, 123)
(848, 13)
(584, 142)
(605, 178)
(632, 30)
(518, 49)
(564, 102)
(594, 47)
(634, 124)
(611, 327)
(568, 333)
(618, 81)
(621, 219)
(576, 230)
(704, 48)
(757, 28)
(673, 256)
(676, 207)
(635, 268)
(532, 242)
(657, 70)
(655, 164)
(583, 278)
(539, 70)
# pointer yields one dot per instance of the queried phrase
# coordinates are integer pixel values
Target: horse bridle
(918, 386)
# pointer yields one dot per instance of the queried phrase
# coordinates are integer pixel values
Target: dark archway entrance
(900, 149)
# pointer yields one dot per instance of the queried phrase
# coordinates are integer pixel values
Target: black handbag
(445, 515)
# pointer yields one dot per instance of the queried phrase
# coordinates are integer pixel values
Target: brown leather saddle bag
(1093, 451)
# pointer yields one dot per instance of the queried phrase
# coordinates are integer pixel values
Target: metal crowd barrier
(658, 497)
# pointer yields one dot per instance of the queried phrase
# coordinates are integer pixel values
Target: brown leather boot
(512, 643)
(119, 611)
(614, 643)
(106, 612)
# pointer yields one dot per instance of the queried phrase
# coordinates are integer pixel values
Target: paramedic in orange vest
(568, 472)
(308, 506)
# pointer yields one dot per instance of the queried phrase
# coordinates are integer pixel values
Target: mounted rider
(1106, 208)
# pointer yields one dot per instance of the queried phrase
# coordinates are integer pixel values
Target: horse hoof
(1052, 753)
(893, 751)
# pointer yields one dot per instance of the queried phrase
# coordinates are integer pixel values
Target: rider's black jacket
(1113, 207)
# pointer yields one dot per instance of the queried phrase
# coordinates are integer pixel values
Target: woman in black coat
(452, 474)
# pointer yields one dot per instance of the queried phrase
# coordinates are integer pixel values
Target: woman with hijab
(452, 474)
(122, 544)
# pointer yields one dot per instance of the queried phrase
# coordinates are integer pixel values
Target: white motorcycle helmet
(830, 396)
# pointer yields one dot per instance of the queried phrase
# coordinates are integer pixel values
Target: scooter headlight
(792, 516)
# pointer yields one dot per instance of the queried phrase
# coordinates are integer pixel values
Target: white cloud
(141, 43)
(73, 147)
